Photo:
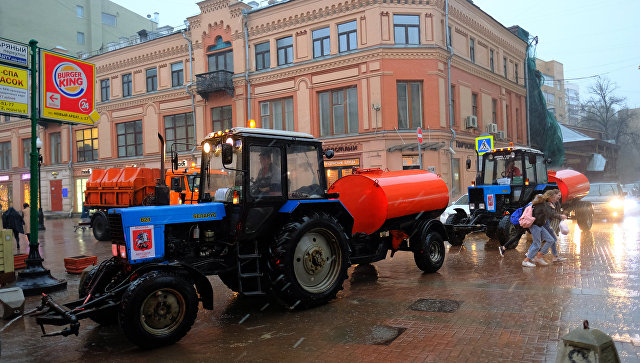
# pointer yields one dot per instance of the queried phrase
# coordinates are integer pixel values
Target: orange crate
(19, 261)
(75, 264)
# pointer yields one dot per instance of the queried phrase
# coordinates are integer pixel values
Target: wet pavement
(478, 307)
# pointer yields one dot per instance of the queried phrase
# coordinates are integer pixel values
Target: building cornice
(123, 103)
(147, 58)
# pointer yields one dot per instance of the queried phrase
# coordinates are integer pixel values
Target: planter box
(75, 265)
(19, 261)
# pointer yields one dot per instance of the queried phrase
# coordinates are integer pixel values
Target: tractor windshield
(219, 183)
(503, 169)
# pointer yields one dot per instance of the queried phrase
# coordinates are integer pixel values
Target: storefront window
(6, 198)
(81, 186)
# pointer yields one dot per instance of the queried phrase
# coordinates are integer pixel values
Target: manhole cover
(383, 335)
(435, 305)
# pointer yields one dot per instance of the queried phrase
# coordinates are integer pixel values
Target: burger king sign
(67, 92)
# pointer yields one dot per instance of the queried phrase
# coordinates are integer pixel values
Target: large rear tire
(100, 226)
(96, 282)
(507, 231)
(158, 309)
(309, 260)
(584, 215)
(456, 238)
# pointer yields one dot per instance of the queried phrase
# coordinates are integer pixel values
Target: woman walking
(541, 231)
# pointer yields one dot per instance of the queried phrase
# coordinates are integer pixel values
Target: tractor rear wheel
(158, 309)
(100, 226)
(308, 261)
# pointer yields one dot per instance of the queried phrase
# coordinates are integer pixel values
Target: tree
(607, 112)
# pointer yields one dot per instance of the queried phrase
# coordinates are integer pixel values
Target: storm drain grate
(435, 305)
(383, 335)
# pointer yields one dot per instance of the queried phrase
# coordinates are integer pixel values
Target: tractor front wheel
(507, 231)
(100, 226)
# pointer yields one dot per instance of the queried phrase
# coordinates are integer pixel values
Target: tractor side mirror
(468, 164)
(547, 161)
(329, 154)
(227, 154)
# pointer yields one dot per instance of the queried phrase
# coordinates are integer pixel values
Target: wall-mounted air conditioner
(492, 128)
(471, 122)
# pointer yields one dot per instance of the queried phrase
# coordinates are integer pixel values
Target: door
(56, 195)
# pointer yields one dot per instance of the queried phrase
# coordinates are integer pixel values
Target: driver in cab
(512, 170)
(268, 179)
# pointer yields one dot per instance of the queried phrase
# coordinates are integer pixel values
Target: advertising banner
(67, 91)
(14, 91)
(14, 53)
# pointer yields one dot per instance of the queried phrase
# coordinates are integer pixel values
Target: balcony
(213, 82)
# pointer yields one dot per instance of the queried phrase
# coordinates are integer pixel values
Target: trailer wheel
(100, 226)
(584, 214)
(109, 272)
(158, 309)
(506, 231)
(309, 260)
(456, 238)
(429, 251)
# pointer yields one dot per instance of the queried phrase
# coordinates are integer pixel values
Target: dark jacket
(12, 219)
(542, 212)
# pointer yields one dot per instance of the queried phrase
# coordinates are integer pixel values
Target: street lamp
(40, 214)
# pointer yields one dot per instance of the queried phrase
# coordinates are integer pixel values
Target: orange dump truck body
(373, 196)
(117, 188)
(572, 184)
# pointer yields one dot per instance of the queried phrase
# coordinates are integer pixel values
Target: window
(491, 61)
(126, 85)
(152, 79)
(178, 129)
(26, 152)
(406, 29)
(177, 74)
(321, 42)
(409, 105)
(263, 56)
(221, 118)
(104, 90)
(472, 50)
(55, 146)
(474, 104)
(302, 178)
(541, 170)
(5, 155)
(550, 98)
(87, 144)
(80, 37)
(79, 11)
(265, 171)
(108, 19)
(516, 71)
(220, 61)
(338, 111)
(129, 138)
(504, 65)
(548, 80)
(277, 114)
(285, 50)
(347, 36)
(494, 110)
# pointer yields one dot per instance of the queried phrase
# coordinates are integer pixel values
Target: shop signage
(464, 145)
(67, 89)
(14, 91)
(14, 53)
(85, 171)
(342, 148)
(337, 163)
(26, 176)
(4, 178)
(182, 164)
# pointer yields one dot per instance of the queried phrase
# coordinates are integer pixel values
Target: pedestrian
(26, 215)
(541, 231)
(14, 222)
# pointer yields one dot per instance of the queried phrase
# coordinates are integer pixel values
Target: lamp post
(40, 214)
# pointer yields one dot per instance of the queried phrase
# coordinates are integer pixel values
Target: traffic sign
(14, 91)
(67, 89)
(14, 53)
(419, 132)
(484, 144)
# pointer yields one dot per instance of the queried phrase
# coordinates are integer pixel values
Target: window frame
(153, 78)
(81, 139)
(5, 155)
(220, 54)
(109, 17)
(287, 57)
(177, 76)
(224, 123)
(79, 11)
(55, 148)
(491, 60)
(127, 85)
(504, 65)
(344, 93)
(412, 123)
(80, 39)
(26, 152)
(405, 28)
(474, 104)
(321, 41)
(286, 115)
(347, 34)
(472, 50)
(181, 142)
(265, 55)
(137, 142)
(105, 89)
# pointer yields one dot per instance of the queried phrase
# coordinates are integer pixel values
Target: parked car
(607, 199)
(462, 202)
(632, 189)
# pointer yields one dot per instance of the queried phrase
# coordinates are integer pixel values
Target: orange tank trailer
(572, 184)
(373, 196)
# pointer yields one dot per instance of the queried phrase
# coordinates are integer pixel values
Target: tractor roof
(265, 133)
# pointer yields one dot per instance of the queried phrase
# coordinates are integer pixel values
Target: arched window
(220, 56)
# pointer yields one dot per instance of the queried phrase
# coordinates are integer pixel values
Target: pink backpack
(527, 219)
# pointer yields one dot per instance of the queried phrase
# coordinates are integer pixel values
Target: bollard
(587, 345)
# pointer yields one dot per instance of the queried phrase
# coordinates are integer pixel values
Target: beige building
(79, 26)
(553, 87)
(361, 76)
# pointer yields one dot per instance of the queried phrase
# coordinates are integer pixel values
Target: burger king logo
(70, 80)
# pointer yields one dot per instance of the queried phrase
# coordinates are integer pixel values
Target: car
(607, 199)
(632, 189)
(462, 202)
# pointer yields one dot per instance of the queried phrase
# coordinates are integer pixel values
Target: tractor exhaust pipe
(162, 190)
(163, 172)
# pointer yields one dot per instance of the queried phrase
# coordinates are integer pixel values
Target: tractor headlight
(480, 205)
(206, 147)
(616, 203)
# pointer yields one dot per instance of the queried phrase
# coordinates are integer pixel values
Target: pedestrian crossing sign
(484, 144)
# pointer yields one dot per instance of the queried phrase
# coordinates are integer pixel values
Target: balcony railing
(213, 82)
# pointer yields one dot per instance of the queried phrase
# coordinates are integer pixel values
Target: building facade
(553, 87)
(361, 76)
(78, 26)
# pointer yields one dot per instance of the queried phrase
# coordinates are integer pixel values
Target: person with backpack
(522, 218)
(543, 235)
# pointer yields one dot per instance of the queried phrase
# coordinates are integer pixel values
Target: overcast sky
(589, 37)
